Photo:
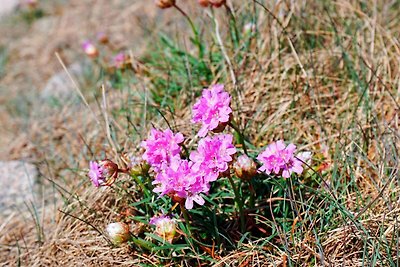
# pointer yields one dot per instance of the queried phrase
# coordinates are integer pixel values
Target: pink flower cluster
(212, 109)
(186, 179)
(280, 159)
(161, 147)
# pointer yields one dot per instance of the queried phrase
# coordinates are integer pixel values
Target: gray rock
(7, 6)
(60, 87)
(19, 186)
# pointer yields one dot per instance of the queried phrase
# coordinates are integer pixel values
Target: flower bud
(103, 173)
(165, 3)
(204, 3)
(165, 227)
(90, 49)
(245, 168)
(102, 38)
(217, 3)
(118, 232)
(138, 166)
(31, 3)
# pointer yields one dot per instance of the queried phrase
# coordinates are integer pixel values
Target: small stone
(60, 87)
(19, 186)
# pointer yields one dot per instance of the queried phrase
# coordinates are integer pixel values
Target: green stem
(186, 217)
(252, 194)
(241, 136)
(239, 203)
(195, 32)
(141, 185)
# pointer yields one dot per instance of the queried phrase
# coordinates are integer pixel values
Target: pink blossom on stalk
(119, 60)
(161, 147)
(180, 181)
(280, 159)
(212, 109)
(213, 155)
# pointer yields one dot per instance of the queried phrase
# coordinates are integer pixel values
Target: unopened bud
(90, 49)
(165, 3)
(165, 227)
(118, 232)
(103, 173)
(245, 168)
(31, 3)
(102, 38)
(217, 3)
(138, 166)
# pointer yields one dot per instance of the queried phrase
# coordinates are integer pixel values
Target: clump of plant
(191, 195)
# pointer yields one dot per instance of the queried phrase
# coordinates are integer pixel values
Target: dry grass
(326, 78)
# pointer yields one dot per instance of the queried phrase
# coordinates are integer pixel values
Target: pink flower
(212, 109)
(119, 60)
(180, 181)
(161, 147)
(90, 49)
(213, 155)
(280, 159)
(103, 173)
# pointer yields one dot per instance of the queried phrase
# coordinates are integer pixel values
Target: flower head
(280, 159)
(90, 49)
(119, 61)
(161, 147)
(181, 182)
(165, 227)
(245, 167)
(213, 155)
(212, 109)
(118, 232)
(103, 173)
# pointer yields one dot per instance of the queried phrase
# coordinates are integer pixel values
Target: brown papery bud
(204, 3)
(217, 3)
(245, 167)
(165, 3)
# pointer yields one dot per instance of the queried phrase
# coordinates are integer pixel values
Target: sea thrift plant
(213, 155)
(212, 110)
(281, 160)
(103, 173)
(165, 227)
(161, 147)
